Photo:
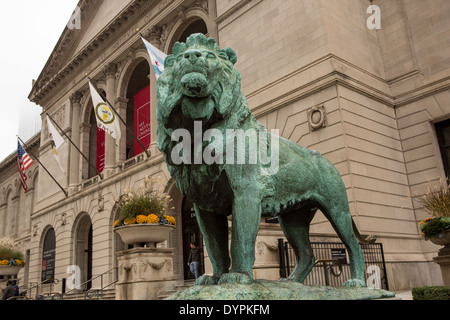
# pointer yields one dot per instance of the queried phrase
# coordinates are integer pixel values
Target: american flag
(24, 162)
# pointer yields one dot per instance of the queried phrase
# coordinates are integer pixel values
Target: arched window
(138, 109)
(196, 26)
(95, 147)
(48, 256)
(83, 248)
(9, 217)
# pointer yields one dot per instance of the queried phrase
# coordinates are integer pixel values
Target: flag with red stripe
(24, 162)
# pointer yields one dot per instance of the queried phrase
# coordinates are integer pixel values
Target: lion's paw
(206, 281)
(356, 283)
(235, 278)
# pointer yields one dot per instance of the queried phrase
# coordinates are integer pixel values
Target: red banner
(142, 120)
(100, 150)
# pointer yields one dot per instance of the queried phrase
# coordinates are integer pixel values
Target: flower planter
(151, 234)
(9, 270)
(443, 240)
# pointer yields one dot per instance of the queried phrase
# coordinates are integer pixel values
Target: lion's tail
(363, 238)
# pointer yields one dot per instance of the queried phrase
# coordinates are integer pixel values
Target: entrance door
(89, 258)
(191, 233)
(83, 257)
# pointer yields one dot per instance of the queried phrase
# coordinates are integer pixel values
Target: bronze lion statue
(200, 92)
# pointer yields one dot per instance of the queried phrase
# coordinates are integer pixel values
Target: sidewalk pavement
(404, 295)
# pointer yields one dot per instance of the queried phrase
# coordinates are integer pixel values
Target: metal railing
(331, 267)
(26, 292)
(88, 292)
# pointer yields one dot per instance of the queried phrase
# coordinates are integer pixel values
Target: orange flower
(152, 218)
(141, 219)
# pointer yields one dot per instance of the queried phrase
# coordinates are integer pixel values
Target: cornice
(54, 71)
(66, 45)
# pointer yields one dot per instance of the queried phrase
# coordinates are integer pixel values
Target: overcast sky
(29, 31)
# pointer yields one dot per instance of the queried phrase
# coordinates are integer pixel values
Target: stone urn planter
(151, 234)
(442, 241)
(8, 271)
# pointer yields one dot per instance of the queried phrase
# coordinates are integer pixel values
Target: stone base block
(144, 273)
(444, 263)
(278, 290)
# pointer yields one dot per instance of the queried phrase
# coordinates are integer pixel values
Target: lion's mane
(225, 108)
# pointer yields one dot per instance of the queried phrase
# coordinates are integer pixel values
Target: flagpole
(90, 164)
(36, 158)
(118, 115)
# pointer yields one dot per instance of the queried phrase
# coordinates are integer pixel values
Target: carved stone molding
(317, 117)
(157, 266)
(35, 230)
(109, 70)
(76, 97)
(153, 35)
(63, 218)
(261, 244)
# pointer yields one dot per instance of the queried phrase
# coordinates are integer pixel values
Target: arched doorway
(83, 249)
(191, 234)
(94, 143)
(190, 231)
(194, 25)
(138, 109)
(48, 255)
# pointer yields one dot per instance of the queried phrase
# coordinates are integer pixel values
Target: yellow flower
(129, 221)
(152, 218)
(425, 221)
(141, 219)
(171, 220)
(4, 262)
(116, 223)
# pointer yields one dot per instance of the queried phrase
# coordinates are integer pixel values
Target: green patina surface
(278, 290)
(201, 85)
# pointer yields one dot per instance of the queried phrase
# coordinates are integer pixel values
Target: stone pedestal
(144, 273)
(444, 262)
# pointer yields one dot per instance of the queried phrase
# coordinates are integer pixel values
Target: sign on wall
(48, 256)
(100, 150)
(142, 120)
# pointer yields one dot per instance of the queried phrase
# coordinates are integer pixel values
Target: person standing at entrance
(194, 260)
(9, 291)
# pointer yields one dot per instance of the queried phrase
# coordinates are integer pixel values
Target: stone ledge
(278, 290)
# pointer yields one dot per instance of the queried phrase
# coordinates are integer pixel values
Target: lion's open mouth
(194, 84)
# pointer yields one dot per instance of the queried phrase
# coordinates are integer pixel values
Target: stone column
(211, 8)
(74, 173)
(121, 107)
(110, 143)
(153, 35)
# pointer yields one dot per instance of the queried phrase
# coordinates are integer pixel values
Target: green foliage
(8, 253)
(437, 200)
(432, 228)
(144, 201)
(142, 205)
(431, 293)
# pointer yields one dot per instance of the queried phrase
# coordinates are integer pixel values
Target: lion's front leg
(246, 219)
(214, 228)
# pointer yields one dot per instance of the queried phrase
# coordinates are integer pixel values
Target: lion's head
(200, 78)
(199, 83)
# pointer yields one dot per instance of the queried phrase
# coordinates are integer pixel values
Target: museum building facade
(374, 101)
